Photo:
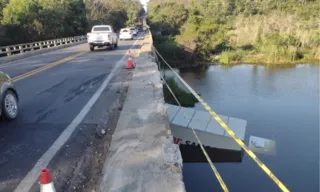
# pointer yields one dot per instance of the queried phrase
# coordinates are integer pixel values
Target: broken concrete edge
(8, 59)
(142, 155)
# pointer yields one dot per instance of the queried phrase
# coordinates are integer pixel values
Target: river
(279, 103)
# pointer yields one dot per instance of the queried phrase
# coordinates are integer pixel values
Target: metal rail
(10, 50)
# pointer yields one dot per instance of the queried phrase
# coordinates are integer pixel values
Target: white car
(134, 31)
(102, 35)
(126, 34)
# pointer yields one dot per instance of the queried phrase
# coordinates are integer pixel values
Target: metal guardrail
(22, 48)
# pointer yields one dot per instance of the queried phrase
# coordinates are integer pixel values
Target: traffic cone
(46, 184)
(130, 63)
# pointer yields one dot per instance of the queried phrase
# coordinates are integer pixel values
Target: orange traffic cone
(46, 184)
(130, 63)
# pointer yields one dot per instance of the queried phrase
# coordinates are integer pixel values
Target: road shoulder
(77, 166)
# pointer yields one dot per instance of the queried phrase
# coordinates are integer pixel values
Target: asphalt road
(49, 101)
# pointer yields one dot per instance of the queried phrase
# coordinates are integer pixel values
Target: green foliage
(227, 57)
(133, 9)
(171, 50)
(33, 20)
(185, 98)
(240, 30)
(167, 17)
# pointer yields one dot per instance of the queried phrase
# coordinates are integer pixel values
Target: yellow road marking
(33, 72)
(230, 132)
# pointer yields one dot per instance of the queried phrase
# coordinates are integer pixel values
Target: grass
(227, 57)
(273, 49)
(185, 98)
(268, 54)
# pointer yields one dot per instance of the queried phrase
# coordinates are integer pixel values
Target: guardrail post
(8, 51)
(21, 49)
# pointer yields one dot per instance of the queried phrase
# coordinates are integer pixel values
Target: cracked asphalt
(49, 101)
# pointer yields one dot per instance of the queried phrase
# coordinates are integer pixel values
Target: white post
(8, 51)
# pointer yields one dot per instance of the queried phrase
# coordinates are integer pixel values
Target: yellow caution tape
(214, 169)
(230, 132)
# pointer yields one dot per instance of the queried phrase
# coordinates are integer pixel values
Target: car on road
(134, 31)
(9, 107)
(101, 36)
(126, 34)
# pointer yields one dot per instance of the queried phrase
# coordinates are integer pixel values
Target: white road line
(33, 175)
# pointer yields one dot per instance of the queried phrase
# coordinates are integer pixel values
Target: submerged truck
(101, 36)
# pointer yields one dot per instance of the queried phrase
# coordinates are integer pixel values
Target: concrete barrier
(142, 156)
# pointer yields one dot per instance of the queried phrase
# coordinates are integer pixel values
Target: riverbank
(205, 64)
(261, 32)
(229, 58)
(240, 57)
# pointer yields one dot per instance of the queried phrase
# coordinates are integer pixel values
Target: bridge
(99, 126)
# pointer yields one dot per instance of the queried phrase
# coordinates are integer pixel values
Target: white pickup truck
(102, 35)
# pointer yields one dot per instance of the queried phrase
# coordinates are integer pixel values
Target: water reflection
(280, 103)
(197, 72)
(255, 79)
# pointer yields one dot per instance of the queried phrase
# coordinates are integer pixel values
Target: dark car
(9, 98)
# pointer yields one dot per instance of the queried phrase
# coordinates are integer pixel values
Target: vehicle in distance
(126, 34)
(101, 36)
(134, 31)
(9, 98)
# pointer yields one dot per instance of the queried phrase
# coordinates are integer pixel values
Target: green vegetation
(24, 21)
(185, 98)
(235, 31)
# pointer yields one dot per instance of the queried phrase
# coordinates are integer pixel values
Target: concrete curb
(8, 59)
(142, 156)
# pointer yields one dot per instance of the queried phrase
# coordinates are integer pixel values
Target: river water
(280, 104)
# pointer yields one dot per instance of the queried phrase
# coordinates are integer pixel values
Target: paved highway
(51, 99)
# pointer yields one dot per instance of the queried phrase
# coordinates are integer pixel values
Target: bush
(263, 31)
(227, 57)
(171, 51)
(185, 98)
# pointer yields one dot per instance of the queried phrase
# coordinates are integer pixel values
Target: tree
(265, 27)
(32, 20)
(3, 4)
